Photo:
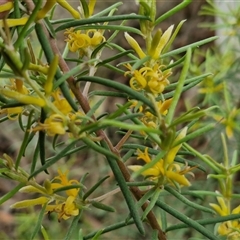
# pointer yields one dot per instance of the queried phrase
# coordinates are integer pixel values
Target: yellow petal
(172, 152)
(14, 22)
(133, 43)
(135, 168)
(91, 6)
(30, 202)
(46, 8)
(6, 6)
(69, 8)
(22, 98)
(162, 43)
(31, 189)
(176, 177)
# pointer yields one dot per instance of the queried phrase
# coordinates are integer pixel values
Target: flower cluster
(165, 171)
(64, 206)
(83, 42)
(151, 77)
(229, 228)
(148, 118)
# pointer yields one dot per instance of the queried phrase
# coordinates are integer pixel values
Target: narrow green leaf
(93, 188)
(65, 188)
(110, 28)
(204, 222)
(120, 110)
(85, 8)
(99, 149)
(25, 139)
(171, 12)
(185, 48)
(73, 227)
(38, 225)
(54, 159)
(107, 94)
(195, 134)
(117, 56)
(77, 23)
(190, 222)
(65, 76)
(110, 228)
(35, 158)
(121, 87)
(108, 9)
(180, 197)
(102, 206)
(11, 193)
(125, 191)
(49, 56)
(152, 203)
(30, 20)
(179, 87)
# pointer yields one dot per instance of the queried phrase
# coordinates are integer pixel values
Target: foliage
(52, 95)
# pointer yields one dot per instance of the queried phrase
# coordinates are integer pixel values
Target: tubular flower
(62, 177)
(23, 98)
(164, 173)
(152, 80)
(81, 41)
(149, 119)
(231, 229)
(64, 206)
(12, 113)
(64, 210)
(68, 208)
(50, 3)
(61, 103)
(54, 124)
(158, 44)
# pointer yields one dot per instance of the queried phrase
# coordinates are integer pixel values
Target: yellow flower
(23, 98)
(156, 49)
(208, 86)
(134, 44)
(152, 80)
(229, 228)
(64, 210)
(13, 112)
(157, 45)
(50, 3)
(54, 124)
(229, 120)
(61, 103)
(164, 106)
(65, 182)
(165, 173)
(64, 206)
(78, 40)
